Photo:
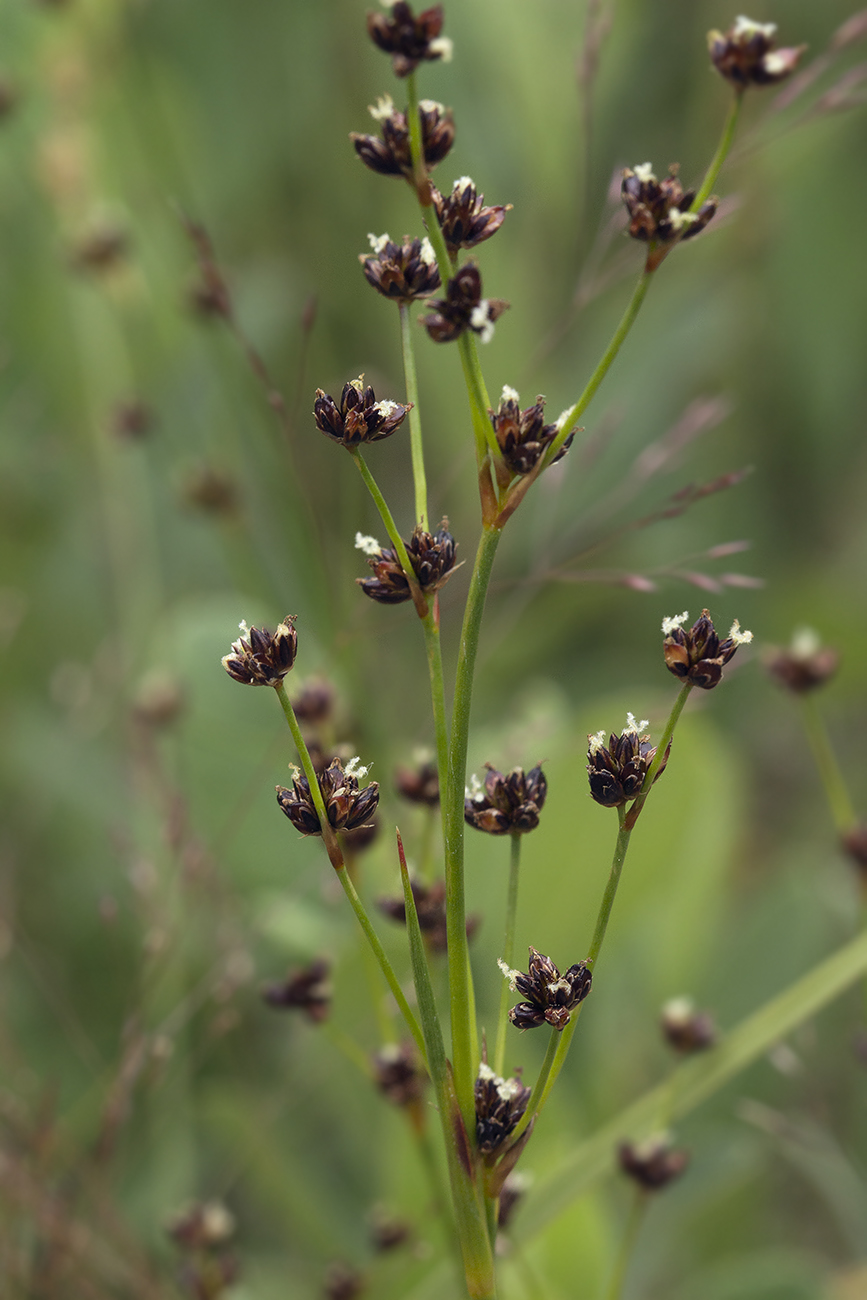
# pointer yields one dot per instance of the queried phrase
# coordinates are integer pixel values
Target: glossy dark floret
(659, 210)
(745, 54)
(686, 1029)
(696, 654)
(463, 308)
(551, 997)
(260, 657)
(652, 1164)
(616, 770)
(507, 802)
(402, 272)
(805, 665)
(500, 1104)
(397, 1075)
(407, 38)
(389, 154)
(432, 556)
(523, 436)
(358, 417)
(307, 990)
(420, 784)
(464, 220)
(430, 906)
(346, 806)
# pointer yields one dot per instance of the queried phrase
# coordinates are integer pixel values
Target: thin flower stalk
(419, 600)
(433, 646)
(415, 434)
(508, 955)
(661, 754)
(722, 152)
(828, 766)
(627, 1245)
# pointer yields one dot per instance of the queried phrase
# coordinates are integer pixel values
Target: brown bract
(346, 806)
(263, 658)
(746, 55)
(432, 556)
(508, 802)
(551, 997)
(406, 38)
(390, 155)
(463, 218)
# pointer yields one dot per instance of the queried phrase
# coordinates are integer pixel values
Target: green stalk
(415, 439)
(460, 986)
(721, 154)
(627, 1245)
(829, 769)
(486, 440)
(370, 483)
(659, 756)
(336, 857)
(508, 951)
(431, 626)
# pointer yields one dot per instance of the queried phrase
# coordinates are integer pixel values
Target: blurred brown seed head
(211, 490)
(389, 154)
(551, 997)
(854, 844)
(463, 308)
(100, 249)
(388, 1232)
(696, 654)
(314, 703)
(132, 419)
(506, 802)
(408, 39)
(402, 272)
(342, 1282)
(464, 220)
(358, 417)
(202, 1226)
(158, 700)
(686, 1029)
(307, 990)
(653, 1163)
(398, 1076)
(419, 784)
(746, 56)
(805, 665)
(260, 657)
(513, 1192)
(616, 769)
(430, 906)
(659, 210)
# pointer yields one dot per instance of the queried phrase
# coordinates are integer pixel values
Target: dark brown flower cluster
(653, 1163)
(420, 784)
(659, 210)
(307, 990)
(397, 1075)
(506, 802)
(745, 54)
(551, 997)
(342, 1282)
(346, 806)
(617, 769)
(430, 906)
(686, 1029)
(260, 657)
(500, 1104)
(403, 271)
(390, 155)
(697, 655)
(358, 417)
(805, 665)
(202, 1234)
(432, 556)
(409, 39)
(463, 218)
(463, 308)
(314, 702)
(522, 436)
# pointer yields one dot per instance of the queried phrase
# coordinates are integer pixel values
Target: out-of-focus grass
(148, 884)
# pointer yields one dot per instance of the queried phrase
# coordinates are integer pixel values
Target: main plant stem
(508, 955)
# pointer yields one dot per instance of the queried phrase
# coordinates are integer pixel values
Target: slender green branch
(479, 401)
(627, 1245)
(397, 542)
(415, 439)
(830, 771)
(620, 847)
(460, 988)
(659, 756)
(508, 954)
(721, 154)
(328, 837)
(438, 700)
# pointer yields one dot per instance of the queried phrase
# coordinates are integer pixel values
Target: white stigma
(369, 545)
(805, 643)
(680, 219)
(632, 725)
(739, 637)
(244, 630)
(428, 256)
(596, 742)
(382, 109)
(474, 790)
(387, 407)
(430, 106)
(510, 395)
(463, 181)
(378, 242)
(748, 27)
(442, 46)
(481, 322)
(669, 624)
(508, 973)
(776, 62)
(354, 768)
(644, 172)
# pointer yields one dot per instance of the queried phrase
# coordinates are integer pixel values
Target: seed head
(659, 210)
(397, 1075)
(616, 770)
(390, 155)
(358, 418)
(463, 218)
(463, 308)
(432, 557)
(745, 54)
(307, 990)
(260, 657)
(409, 39)
(314, 703)
(403, 271)
(805, 665)
(697, 655)
(652, 1163)
(343, 1282)
(550, 996)
(419, 784)
(430, 906)
(686, 1029)
(854, 844)
(500, 1104)
(346, 806)
(507, 801)
(523, 436)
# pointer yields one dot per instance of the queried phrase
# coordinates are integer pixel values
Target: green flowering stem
(508, 955)
(431, 625)
(413, 120)
(415, 439)
(419, 600)
(335, 855)
(829, 769)
(464, 1053)
(627, 1245)
(486, 440)
(659, 757)
(470, 1215)
(721, 154)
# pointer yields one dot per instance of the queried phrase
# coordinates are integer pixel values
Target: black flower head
(653, 1163)
(463, 218)
(686, 1029)
(463, 308)
(398, 1076)
(430, 906)
(617, 769)
(390, 155)
(260, 657)
(419, 784)
(345, 805)
(307, 990)
(409, 39)
(550, 996)
(745, 54)
(359, 417)
(432, 556)
(659, 210)
(523, 436)
(697, 655)
(500, 1104)
(506, 802)
(404, 271)
(805, 665)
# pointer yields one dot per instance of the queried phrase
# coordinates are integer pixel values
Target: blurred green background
(148, 884)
